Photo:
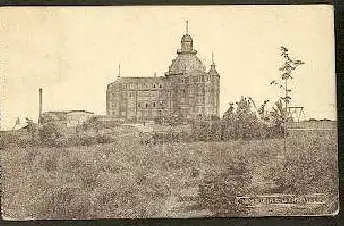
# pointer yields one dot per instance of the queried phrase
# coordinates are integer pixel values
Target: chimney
(40, 102)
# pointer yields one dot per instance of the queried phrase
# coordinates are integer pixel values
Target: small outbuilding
(69, 118)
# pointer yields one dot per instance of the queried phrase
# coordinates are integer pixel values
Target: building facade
(68, 118)
(187, 90)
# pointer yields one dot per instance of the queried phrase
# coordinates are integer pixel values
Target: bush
(103, 138)
(6, 139)
(86, 140)
(310, 164)
(219, 190)
(49, 132)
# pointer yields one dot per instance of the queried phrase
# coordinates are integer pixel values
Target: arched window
(153, 85)
(160, 86)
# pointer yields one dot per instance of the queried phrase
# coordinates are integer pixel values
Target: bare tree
(287, 68)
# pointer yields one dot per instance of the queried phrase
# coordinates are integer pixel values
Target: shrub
(310, 164)
(49, 132)
(86, 140)
(219, 190)
(103, 138)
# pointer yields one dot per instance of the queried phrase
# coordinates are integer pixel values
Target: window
(146, 105)
(154, 104)
(153, 85)
(161, 102)
(184, 92)
(160, 86)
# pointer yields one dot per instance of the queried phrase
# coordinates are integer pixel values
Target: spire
(212, 66)
(212, 58)
(187, 27)
(119, 70)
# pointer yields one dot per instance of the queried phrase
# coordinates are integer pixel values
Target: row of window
(200, 90)
(142, 85)
(132, 94)
(195, 78)
(139, 94)
(157, 104)
(199, 78)
(153, 104)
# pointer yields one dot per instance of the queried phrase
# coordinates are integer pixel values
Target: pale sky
(73, 52)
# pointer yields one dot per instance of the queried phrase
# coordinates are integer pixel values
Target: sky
(73, 52)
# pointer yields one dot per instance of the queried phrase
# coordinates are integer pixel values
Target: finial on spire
(119, 70)
(212, 66)
(187, 27)
(212, 58)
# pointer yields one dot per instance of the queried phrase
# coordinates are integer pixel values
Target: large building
(187, 90)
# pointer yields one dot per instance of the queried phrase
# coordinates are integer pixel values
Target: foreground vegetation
(124, 178)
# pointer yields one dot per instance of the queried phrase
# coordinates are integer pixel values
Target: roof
(186, 63)
(186, 38)
(130, 78)
(67, 111)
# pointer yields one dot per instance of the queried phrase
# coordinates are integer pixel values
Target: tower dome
(186, 38)
(186, 44)
(186, 61)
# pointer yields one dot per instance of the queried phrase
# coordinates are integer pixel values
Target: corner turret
(212, 70)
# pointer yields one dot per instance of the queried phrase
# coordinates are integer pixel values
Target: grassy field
(127, 179)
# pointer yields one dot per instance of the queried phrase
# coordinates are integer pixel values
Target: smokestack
(40, 102)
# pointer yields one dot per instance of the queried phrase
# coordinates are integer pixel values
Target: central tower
(186, 61)
(186, 43)
(193, 90)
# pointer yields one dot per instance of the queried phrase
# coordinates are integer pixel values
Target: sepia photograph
(168, 112)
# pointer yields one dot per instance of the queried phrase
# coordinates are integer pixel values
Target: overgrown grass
(128, 179)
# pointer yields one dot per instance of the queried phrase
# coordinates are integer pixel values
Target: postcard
(168, 112)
